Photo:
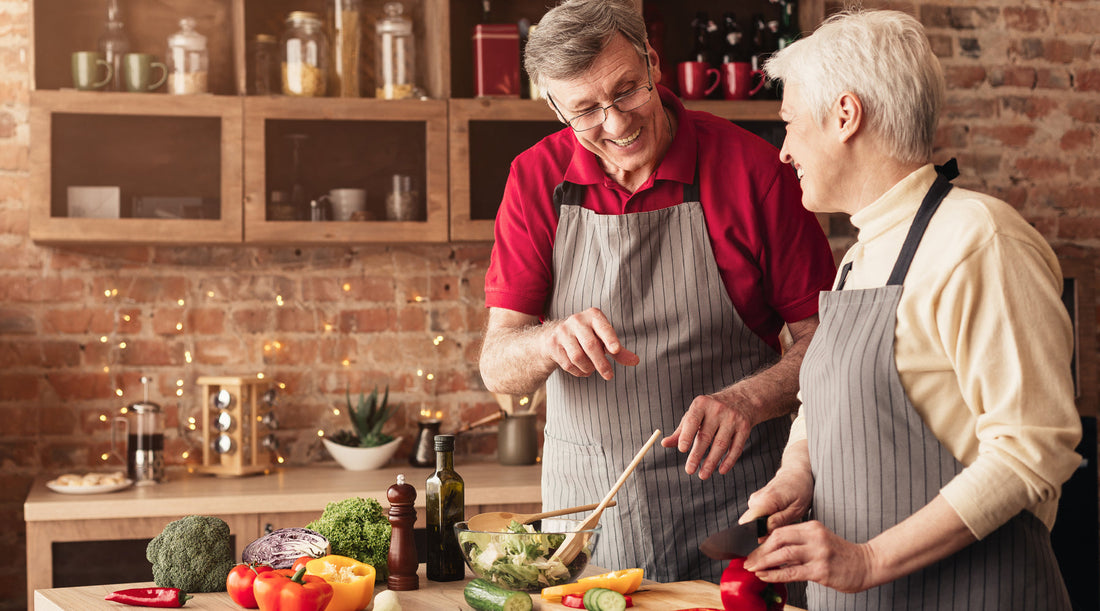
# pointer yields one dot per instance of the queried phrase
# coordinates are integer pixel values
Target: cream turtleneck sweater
(982, 345)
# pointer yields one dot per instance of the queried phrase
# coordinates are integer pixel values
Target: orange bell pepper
(623, 582)
(287, 590)
(352, 581)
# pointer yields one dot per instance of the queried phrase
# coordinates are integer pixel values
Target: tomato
(239, 583)
(301, 563)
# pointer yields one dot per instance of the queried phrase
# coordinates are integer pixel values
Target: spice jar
(188, 62)
(347, 34)
(265, 65)
(395, 54)
(304, 56)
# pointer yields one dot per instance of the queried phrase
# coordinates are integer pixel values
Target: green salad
(519, 562)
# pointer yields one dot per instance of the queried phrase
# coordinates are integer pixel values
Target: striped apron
(654, 276)
(875, 462)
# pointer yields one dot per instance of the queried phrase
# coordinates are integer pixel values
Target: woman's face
(627, 142)
(812, 148)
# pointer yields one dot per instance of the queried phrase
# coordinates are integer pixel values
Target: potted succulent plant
(365, 445)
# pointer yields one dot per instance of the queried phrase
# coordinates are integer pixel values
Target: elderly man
(663, 250)
(938, 421)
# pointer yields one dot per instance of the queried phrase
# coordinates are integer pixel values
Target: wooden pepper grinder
(402, 558)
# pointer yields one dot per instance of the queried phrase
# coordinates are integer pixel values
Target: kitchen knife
(736, 541)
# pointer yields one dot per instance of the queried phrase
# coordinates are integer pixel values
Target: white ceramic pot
(362, 459)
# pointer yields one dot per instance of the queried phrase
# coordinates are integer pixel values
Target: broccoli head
(194, 554)
(357, 528)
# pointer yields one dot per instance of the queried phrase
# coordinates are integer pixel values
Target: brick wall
(1023, 119)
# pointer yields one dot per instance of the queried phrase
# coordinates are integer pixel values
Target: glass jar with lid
(395, 54)
(304, 56)
(188, 62)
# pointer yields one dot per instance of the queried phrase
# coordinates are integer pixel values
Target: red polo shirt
(771, 252)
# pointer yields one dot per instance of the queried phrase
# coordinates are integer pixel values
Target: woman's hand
(811, 552)
(787, 497)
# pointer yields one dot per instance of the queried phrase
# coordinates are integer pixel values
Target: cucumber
(610, 600)
(603, 599)
(485, 596)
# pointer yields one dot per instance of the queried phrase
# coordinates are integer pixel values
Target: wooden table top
(432, 596)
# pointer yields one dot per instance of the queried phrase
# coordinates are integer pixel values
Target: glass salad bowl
(521, 559)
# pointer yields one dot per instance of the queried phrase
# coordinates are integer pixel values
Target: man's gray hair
(884, 58)
(571, 35)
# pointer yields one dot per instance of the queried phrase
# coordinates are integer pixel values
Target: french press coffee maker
(144, 440)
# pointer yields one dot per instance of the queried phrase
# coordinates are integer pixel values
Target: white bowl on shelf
(362, 459)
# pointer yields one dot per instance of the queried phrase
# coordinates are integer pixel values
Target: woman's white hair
(884, 58)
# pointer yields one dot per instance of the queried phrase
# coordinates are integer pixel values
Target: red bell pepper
(289, 590)
(167, 598)
(742, 590)
(240, 581)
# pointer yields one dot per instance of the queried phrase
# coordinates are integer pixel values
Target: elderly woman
(937, 422)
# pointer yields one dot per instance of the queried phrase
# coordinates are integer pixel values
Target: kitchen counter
(431, 596)
(288, 496)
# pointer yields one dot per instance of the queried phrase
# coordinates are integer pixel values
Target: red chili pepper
(742, 590)
(168, 598)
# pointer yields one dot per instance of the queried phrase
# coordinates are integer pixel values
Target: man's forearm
(773, 392)
(513, 361)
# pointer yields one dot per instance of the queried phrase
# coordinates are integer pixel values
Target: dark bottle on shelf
(764, 44)
(788, 23)
(700, 28)
(734, 46)
(445, 503)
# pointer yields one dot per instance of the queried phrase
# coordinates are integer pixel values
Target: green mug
(85, 66)
(138, 71)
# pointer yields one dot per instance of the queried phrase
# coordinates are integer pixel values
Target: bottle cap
(444, 443)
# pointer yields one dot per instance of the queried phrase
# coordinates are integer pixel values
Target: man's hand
(715, 431)
(580, 345)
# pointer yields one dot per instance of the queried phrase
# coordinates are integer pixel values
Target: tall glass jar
(265, 65)
(114, 44)
(188, 62)
(395, 54)
(304, 56)
(345, 19)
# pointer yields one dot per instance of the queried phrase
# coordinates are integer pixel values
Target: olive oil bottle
(446, 506)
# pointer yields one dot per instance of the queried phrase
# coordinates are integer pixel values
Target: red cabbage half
(280, 548)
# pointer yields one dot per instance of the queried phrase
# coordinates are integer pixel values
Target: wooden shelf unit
(459, 148)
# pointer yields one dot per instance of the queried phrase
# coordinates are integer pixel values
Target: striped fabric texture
(654, 276)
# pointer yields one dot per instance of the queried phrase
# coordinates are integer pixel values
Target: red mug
(737, 81)
(693, 78)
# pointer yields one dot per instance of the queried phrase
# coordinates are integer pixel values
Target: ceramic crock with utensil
(517, 433)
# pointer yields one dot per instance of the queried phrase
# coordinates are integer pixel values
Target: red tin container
(496, 60)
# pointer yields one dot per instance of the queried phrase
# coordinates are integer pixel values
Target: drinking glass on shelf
(403, 203)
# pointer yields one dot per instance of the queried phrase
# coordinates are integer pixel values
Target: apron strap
(944, 175)
(928, 207)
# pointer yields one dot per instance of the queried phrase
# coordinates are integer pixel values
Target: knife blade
(736, 541)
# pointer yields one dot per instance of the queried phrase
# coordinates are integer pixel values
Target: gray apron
(875, 462)
(654, 276)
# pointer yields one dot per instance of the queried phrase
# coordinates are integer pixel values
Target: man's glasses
(627, 102)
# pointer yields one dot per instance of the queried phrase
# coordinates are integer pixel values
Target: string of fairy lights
(191, 425)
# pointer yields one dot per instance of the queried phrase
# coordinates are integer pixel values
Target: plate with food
(90, 483)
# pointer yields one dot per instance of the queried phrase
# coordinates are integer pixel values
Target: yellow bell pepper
(623, 582)
(352, 581)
